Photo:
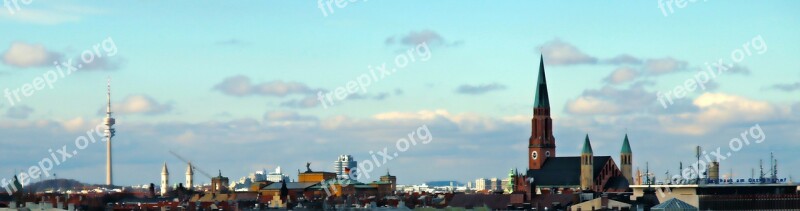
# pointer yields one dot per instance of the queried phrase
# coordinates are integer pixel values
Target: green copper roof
(587, 147)
(626, 147)
(542, 100)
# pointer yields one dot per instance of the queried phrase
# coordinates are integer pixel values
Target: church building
(548, 172)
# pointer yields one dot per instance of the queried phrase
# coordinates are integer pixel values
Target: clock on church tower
(541, 141)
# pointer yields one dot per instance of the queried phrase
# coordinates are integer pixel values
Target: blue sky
(175, 59)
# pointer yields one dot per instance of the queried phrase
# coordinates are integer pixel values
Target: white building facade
(341, 165)
(482, 184)
(277, 176)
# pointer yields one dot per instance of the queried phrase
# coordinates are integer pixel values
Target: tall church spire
(542, 144)
(542, 99)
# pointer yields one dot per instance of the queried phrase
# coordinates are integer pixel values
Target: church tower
(542, 144)
(626, 160)
(587, 165)
(164, 180)
(189, 177)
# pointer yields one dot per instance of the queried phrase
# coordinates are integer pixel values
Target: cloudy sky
(234, 87)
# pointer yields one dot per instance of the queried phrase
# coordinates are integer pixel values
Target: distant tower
(713, 172)
(164, 180)
(109, 133)
(510, 186)
(341, 166)
(626, 158)
(189, 177)
(638, 176)
(542, 144)
(219, 184)
(390, 179)
(587, 165)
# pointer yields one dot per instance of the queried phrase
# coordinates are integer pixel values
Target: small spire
(164, 169)
(626, 146)
(189, 169)
(587, 146)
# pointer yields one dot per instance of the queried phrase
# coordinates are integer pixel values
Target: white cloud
(414, 38)
(25, 55)
(557, 52)
(588, 105)
(76, 124)
(236, 86)
(717, 110)
(280, 88)
(102, 63)
(424, 36)
(723, 108)
(242, 86)
(609, 100)
(187, 137)
(288, 118)
(49, 14)
(420, 115)
(466, 122)
(37, 16)
(138, 104)
(309, 101)
(623, 59)
(664, 66)
(479, 89)
(495, 143)
(622, 75)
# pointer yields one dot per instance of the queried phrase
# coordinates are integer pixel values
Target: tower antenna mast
(698, 165)
(109, 133)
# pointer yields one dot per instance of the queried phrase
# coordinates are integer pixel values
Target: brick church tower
(626, 159)
(542, 144)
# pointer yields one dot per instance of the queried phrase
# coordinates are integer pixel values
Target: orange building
(318, 176)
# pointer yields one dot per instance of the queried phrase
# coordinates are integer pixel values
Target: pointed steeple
(626, 147)
(164, 169)
(189, 170)
(587, 147)
(542, 99)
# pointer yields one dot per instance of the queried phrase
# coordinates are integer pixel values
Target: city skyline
(227, 99)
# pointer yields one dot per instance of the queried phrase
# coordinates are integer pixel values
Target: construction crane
(194, 166)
